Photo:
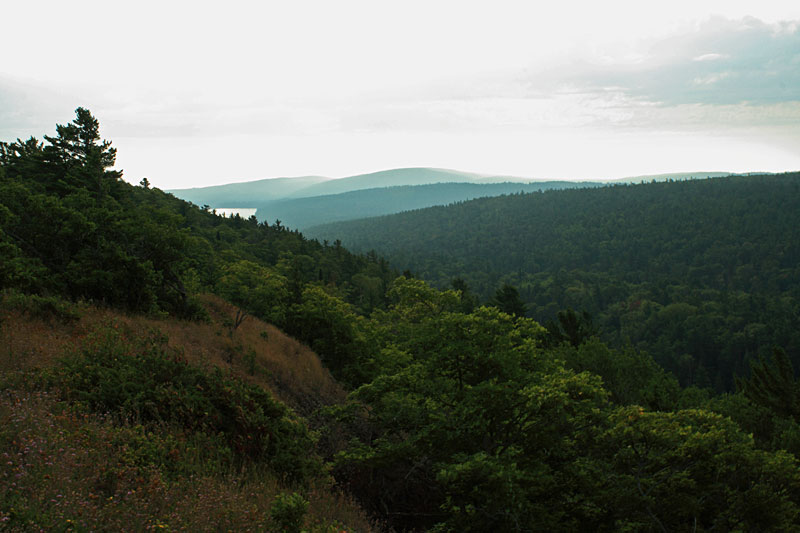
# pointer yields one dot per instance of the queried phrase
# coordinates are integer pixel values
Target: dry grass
(63, 471)
(274, 361)
(67, 471)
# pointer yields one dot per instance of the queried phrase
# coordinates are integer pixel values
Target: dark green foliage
(138, 378)
(43, 307)
(507, 299)
(331, 328)
(773, 386)
(468, 300)
(630, 377)
(69, 226)
(470, 424)
(703, 274)
(691, 471)
(574, 328)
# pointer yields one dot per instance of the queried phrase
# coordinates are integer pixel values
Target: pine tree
(773, 385)
(507, 299)
(79, 156)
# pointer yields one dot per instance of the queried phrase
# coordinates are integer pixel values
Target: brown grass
(286, 367)
(60, 471)
(67, 471)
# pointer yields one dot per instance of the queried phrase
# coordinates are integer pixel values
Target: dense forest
(702, 274)
(454, 417)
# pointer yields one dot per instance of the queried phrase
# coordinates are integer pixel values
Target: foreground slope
(66, 467)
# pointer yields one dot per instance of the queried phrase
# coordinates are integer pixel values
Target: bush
(288, 512)
(42, 307)
(138, 378)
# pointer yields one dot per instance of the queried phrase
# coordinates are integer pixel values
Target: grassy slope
(65, 469)
(284, 366)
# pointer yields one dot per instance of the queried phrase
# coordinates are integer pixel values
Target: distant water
(244, 212)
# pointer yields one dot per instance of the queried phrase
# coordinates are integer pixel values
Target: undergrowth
(125, 434)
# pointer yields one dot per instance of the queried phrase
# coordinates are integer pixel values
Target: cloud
(720, 62)
(710, 57)
(27, 108)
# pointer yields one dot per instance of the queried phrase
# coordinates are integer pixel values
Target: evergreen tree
(773, 385)
(507, 299)
(80, 156)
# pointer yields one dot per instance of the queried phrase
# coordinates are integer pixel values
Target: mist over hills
(312, 200)
(302, 213)
(234, 194)
(307, 186)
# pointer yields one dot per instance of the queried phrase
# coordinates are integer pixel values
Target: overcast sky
(200, 93)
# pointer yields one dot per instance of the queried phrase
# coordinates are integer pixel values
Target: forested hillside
(133, 399)
(702, 274)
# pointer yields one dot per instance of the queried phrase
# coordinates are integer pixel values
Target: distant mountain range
(305, 212)
(308, 186)
(306, 201)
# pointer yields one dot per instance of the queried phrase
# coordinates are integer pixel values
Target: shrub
(43, 307)
(288, 512)
(139, 378)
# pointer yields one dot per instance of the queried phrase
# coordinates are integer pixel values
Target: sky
(201, 93)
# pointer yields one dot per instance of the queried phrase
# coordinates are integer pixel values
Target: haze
(195, 94)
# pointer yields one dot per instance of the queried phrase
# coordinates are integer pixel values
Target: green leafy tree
(693, 470)
(331, 327)
(631, 377)
(253, 289)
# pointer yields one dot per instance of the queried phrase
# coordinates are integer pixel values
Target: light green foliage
(694, 470)
(288, 512)
(256, 290)
(473, 421)
(472, 424)
(331, 327)
(631, 377)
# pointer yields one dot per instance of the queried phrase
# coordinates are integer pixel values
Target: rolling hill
(302, 213)
(243, 194)
(237, 194)
(312, 200)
